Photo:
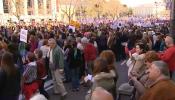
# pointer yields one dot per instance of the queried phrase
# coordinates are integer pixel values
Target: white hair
(38, 97)
(84, 40)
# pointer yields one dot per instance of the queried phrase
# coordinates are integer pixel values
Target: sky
(134, 3)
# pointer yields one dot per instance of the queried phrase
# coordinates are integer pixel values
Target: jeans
(75, 78)
(67, 71)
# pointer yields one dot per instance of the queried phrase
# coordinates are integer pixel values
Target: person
(102, 77)
(162, 87)
(79, 44)
(101, 94)
(30, 84)
(10, 78)
(33, 42)
(41, 72)
(142, 82)
(137, 67)
(168, 55)
(56, 62)
(75, 59)
(109, 56)
(67, 46)
(90, 54)
(45, 49)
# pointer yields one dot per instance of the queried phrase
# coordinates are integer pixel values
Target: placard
(23, 35)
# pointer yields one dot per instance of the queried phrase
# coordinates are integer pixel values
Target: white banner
(23, 35)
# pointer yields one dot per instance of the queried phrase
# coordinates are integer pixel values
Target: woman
(109, 56)
(137, 65)
(142, 82)
(102, 77)
(9, 78)
(30, 77)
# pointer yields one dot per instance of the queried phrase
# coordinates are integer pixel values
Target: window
(29, 12)
(29, 3)
(5, 6)
(40, 3)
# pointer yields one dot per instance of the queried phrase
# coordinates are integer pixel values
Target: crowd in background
(87, 55)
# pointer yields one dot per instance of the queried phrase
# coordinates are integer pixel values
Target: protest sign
(23, 35)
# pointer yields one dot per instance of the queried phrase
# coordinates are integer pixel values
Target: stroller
(127, 91)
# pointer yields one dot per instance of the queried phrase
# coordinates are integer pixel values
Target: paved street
(122, 71)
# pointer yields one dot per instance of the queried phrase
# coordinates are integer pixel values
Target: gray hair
(52, 40)
(163, 67)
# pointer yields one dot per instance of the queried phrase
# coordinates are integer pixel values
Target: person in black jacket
(9, 78)
(75, 63)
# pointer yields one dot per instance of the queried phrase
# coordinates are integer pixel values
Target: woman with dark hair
(142, 82)
(9, 78)
(137, 65)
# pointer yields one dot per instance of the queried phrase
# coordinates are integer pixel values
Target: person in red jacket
(90, 54)
(169, 55)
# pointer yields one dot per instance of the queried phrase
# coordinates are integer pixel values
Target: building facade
(28, 9)
(157, 10)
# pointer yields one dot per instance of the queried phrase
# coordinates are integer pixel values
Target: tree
(112, 8)
(68, 7)
(18, 4)
(104, 8)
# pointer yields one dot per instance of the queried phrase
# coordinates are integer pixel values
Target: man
(101, 94)
(56, 61)
(90, 54)
(169, 55)
(162, 88)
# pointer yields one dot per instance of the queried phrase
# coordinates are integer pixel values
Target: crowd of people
(87, 55)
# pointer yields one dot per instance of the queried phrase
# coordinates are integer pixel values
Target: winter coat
(9, 85)
(138, 66)
(75, 58)
(162, 90)
(90, 52)
(169, 57)
(106, 81)
(58, 58)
